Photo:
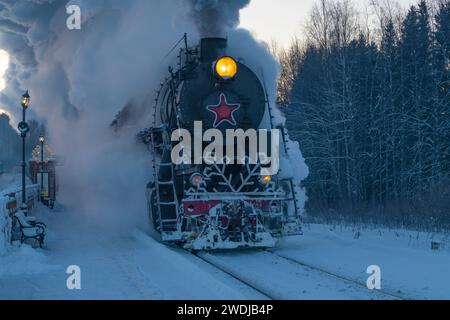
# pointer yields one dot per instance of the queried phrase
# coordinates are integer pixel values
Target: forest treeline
(368, 100)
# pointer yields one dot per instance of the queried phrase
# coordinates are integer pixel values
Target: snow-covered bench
(30, 228)
(9, 204)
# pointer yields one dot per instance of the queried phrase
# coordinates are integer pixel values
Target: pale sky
(276, 19)
(283, 19)
(4, 63)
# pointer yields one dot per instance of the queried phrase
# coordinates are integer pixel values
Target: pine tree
(442, 36)
(373, 119)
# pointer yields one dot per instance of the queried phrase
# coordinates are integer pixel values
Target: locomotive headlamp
(265, 180)
(226, 68)
(196, 179)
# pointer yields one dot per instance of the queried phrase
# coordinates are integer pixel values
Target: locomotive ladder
(165, 224)
(170, 203)
(166, 199)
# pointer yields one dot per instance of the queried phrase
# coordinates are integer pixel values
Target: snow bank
(8, 181)
(409, 267)
(24, 260)
(3, 225)
(11, 183)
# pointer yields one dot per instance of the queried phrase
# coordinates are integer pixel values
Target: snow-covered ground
(135, 266)
(282, 279)
(112, 267)
(10, 183)
(409, 267)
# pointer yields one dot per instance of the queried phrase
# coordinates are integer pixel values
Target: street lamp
(24, 129)
(25, 100)
(41, 140)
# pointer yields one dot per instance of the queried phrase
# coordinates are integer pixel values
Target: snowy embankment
(10, 183)
(409, 267)
(3, 225)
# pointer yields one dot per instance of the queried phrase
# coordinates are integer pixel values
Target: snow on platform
(135, 266)
(112, 267)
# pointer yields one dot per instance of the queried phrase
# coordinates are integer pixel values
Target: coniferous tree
(373, 119)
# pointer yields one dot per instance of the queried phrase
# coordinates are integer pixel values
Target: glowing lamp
(226, 68)
(41, 139)
(25, 100)
(266, 179)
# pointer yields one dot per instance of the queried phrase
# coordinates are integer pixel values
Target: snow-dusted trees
(371, 110)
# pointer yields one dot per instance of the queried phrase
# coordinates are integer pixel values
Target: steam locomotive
(229, 202)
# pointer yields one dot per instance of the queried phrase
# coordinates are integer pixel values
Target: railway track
(237, 277)
(335, 275)
(234, 263)
(271, 292)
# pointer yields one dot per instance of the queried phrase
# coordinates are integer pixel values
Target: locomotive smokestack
(212, 48)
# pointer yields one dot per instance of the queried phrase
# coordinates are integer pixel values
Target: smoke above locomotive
(214, 17)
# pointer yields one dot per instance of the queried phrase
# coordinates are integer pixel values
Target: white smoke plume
(215, 17)
(80, 79)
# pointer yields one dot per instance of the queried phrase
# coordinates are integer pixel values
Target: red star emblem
(224, 111)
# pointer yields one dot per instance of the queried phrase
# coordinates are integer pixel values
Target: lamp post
(24, 129)
(41, 140)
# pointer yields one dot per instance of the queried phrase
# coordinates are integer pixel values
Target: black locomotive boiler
(228, 202)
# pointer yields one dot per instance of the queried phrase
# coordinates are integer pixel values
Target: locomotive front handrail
(243, 195)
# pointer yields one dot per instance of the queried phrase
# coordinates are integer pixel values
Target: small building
(44, 175)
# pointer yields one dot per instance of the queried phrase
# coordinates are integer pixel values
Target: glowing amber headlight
(226, 68)
(266, 179)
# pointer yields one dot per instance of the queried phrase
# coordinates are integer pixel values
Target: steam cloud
(80, 79)
(214, 17)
